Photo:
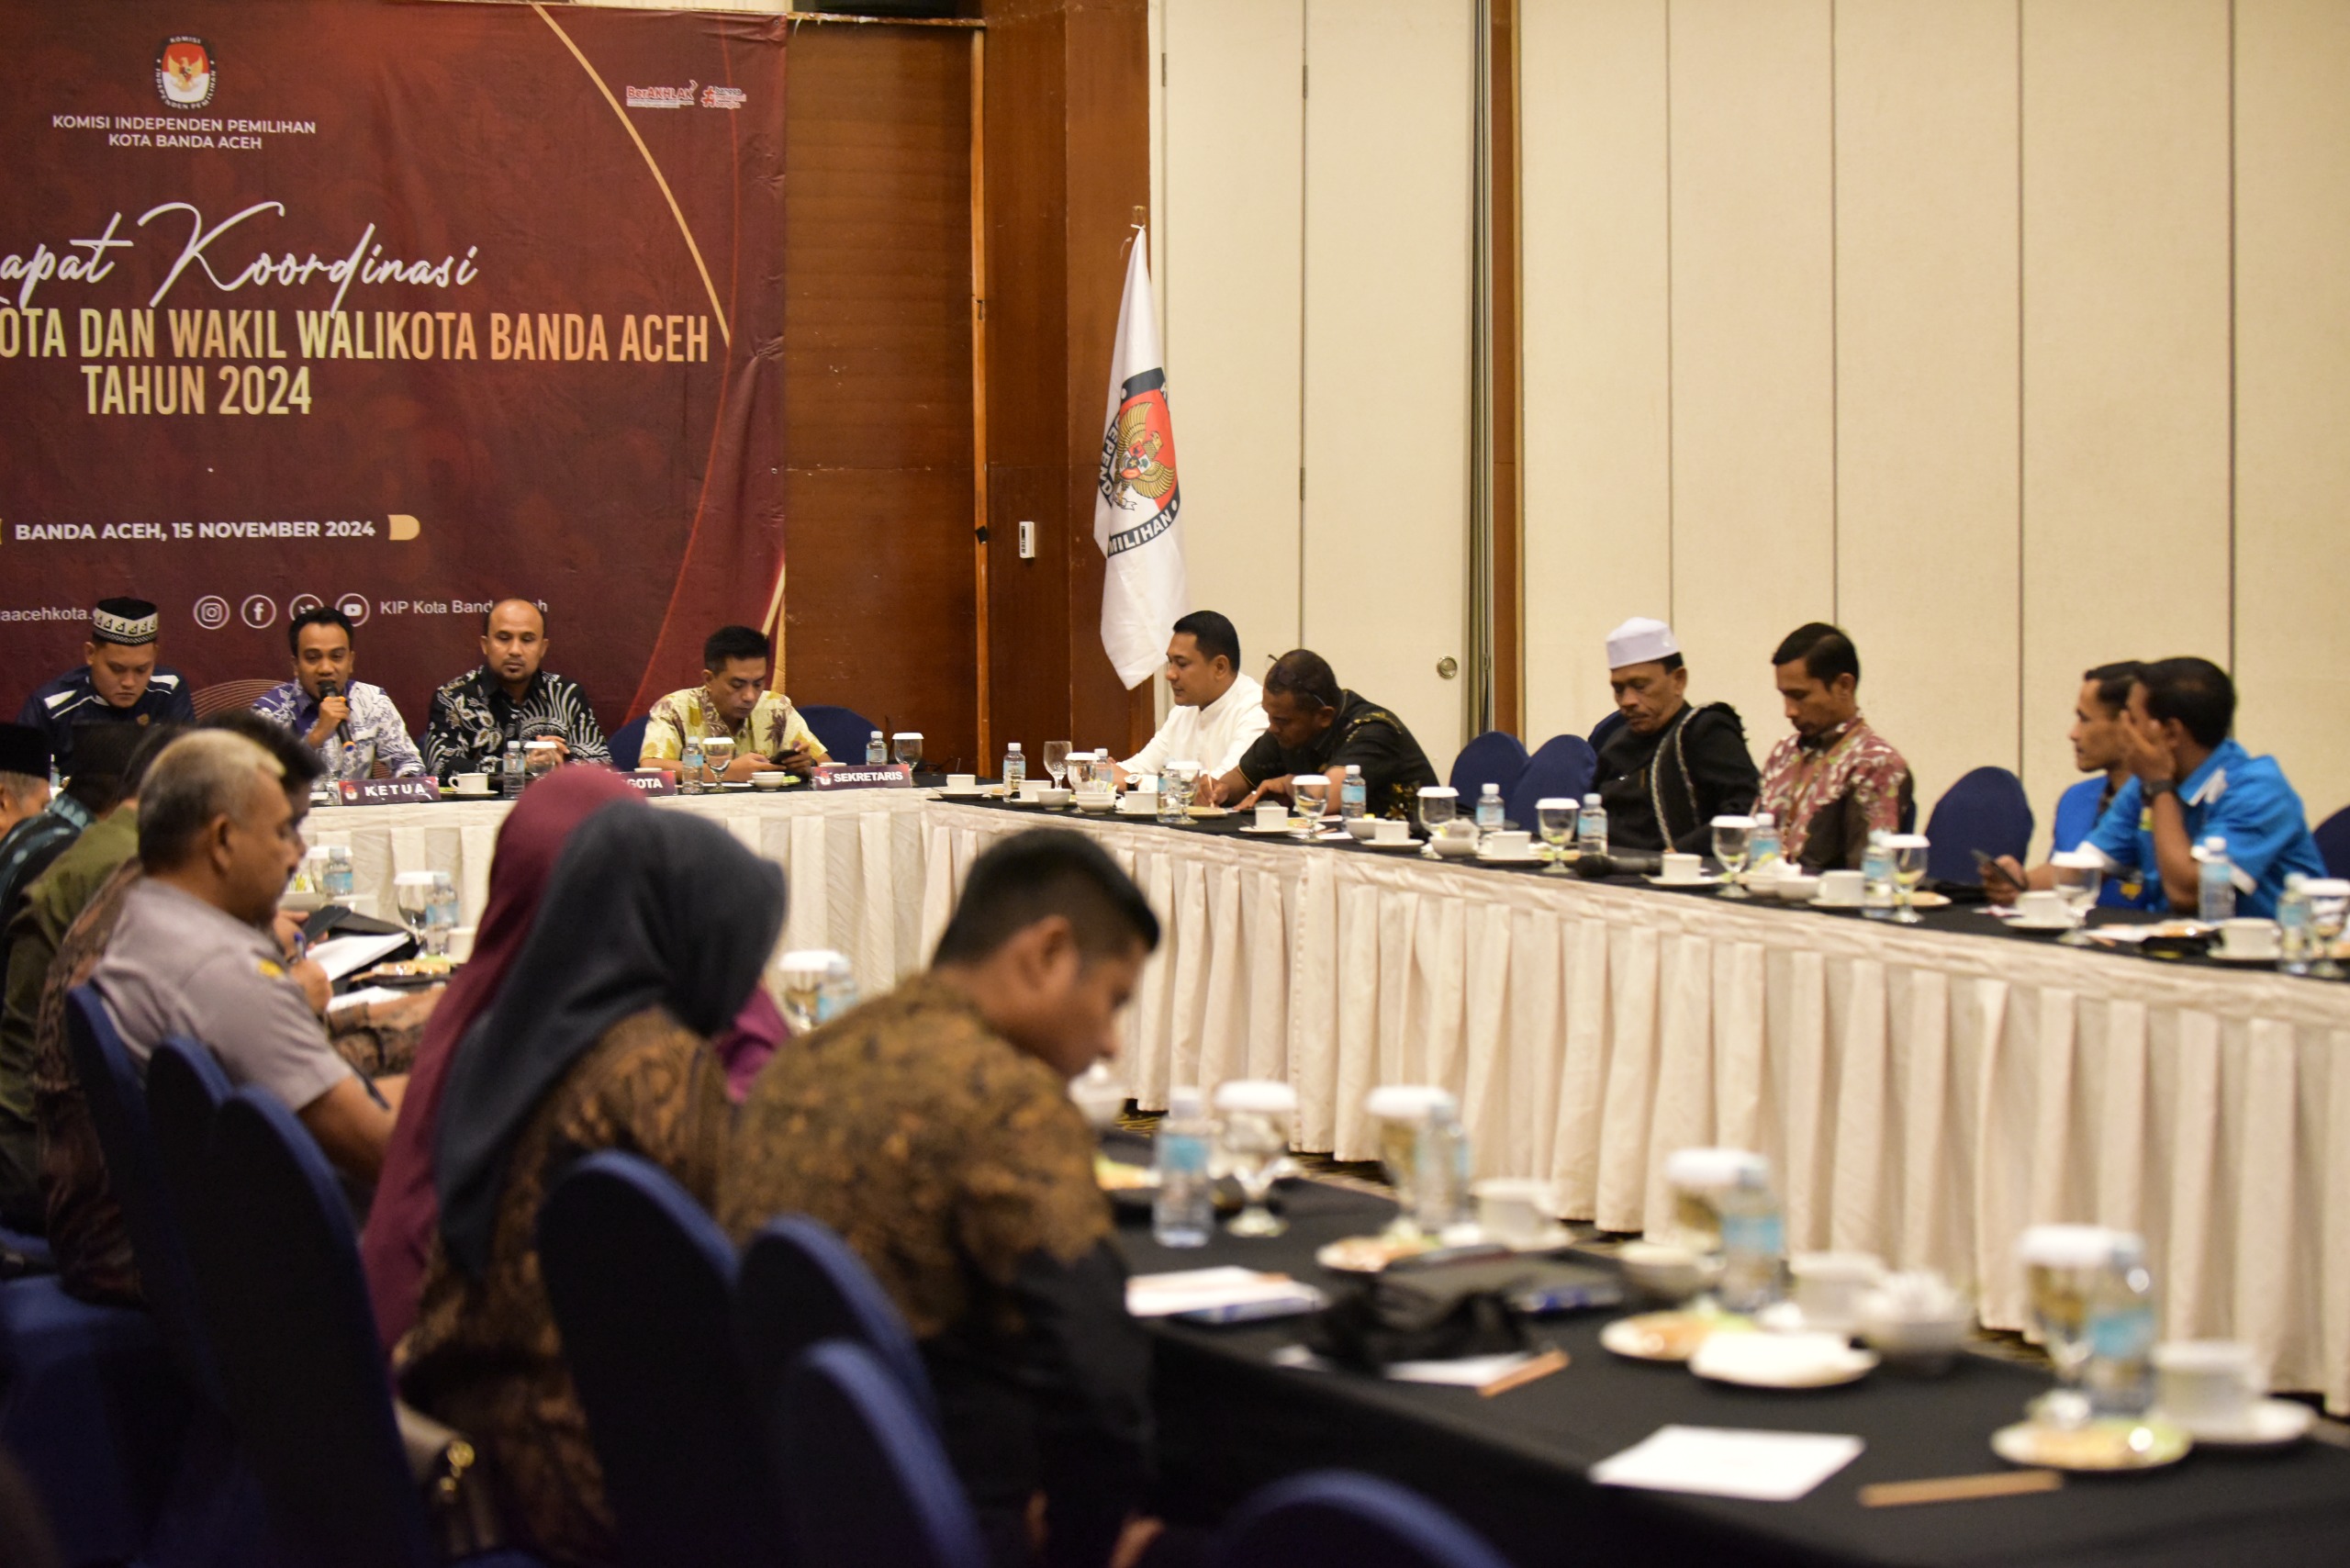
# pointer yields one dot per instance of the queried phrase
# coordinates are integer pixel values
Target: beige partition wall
(2014, 334)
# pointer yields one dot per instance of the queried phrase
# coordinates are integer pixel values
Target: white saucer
(946, 794)
(1681, 881)
(2238, 960)
(1406, 843)
(2043, 927)
(1263, 831)
(1509, 859)
(1555, 1237)
(1823, 903)
(1781, 1360)
(2267, 1424)
(1786, 1317)
(472, 794)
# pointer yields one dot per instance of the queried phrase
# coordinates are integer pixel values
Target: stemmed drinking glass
(1057, 761)
(412, 893)
(1403, 1111)
(2329, 904)
(2064, 1265)
(1909, 869)
(717, 757)
(1730, 848)
(906, 746)
(2078, 874)
(1313, 799)
(1557, 819)
(1438, 805)
(1257, 1117)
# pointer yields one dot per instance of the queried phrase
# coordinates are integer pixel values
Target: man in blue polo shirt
(2193, 781)
(120, 681)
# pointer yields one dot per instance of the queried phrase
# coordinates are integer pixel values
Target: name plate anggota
(387, 791)
(650, 782)
(842, 776)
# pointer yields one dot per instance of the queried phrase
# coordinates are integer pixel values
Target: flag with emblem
(1143, 590)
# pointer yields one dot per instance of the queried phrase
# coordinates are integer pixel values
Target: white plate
(2269, 1423)
(2102, 1446)
(1263, 831)
(2042, 927)
(946, 794)
(1781, 1360)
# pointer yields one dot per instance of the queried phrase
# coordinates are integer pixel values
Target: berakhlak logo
(1138, 463)
(186, 73)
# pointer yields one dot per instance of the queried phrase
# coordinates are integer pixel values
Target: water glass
(1312, 791)
(1556, 818)
(539, 758)
(412, 895)
(906, 746)
(1056, 760)
(440, 912)
(1256, 1118)
(2078, 873)
(809, 982)
(1175, 791)
(1438, 805)
(717, 757)
(1730, 848)
(1909, 851)
(2064, 1265)
(1403, 1111)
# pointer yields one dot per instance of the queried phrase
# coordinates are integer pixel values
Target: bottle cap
(1494, 789)
(1184, 1103)
(1008, 746)
(1407, 1102)
(1764, 818)
(1712, 1170)
(1591, 800)
(874, 735)
(2215, 843)
(1354, 771)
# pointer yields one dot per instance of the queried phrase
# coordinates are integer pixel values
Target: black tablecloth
(1514, 1466)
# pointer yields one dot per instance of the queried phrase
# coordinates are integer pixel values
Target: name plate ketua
(650, 782)
(387, 791)
(837, 775)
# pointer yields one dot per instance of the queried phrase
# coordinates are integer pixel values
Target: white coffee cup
(1509, 844)
(962, 783)
(2206, 1381)
(2044, 908)
(1032, 790)
(1272, 815)
(1514, 1210)
(461, 944)
(1392, 830)
(469, 784)
(1675, 867)
(1830, 1285)
(2249, 938)
(1845, 889)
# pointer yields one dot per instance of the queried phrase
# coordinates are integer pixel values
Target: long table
(1516, 1466)
(1925, 1092)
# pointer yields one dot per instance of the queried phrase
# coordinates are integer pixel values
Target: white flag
(1143, 591)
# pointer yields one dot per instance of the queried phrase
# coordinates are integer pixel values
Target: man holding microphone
(352, 725)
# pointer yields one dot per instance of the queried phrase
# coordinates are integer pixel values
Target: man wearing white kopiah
(1219, 710)
(1668, 769)
(1143, 587)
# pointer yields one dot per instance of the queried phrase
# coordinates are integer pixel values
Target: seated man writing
(734, 700)
(2190, 780)
(1218, 711)
(1835, 781)
(932, 1129)
(1669, 769)
(193, 953)
(1313, 725)
(509, 698)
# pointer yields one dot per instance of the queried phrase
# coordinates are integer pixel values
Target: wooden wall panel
(2292, 577)
(1928, 379)
(1598, 319)
(1753, 330)
(2126, 348)
(1232, 223)
(879, 610)
(1388, 159)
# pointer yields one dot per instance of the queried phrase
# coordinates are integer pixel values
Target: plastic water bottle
(877, 750)
(1877, 876)
(339, 881)
(2217, 881)
(1755, 1243)
(1763, 841)
(1489, 810)
(690, 767)
(1441, 1171)
(2295, 932)
(2121, 1330)
(1591, 829)
(1183, 1212)
(1354, 795)
(509, 773)
(1015, 769)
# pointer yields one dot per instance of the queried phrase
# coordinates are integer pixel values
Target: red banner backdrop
(404, 307)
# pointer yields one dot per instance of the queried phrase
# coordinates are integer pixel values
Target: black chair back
(863, 1477)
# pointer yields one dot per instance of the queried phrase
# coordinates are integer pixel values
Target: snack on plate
(1117, 1176)
(1368, 1254)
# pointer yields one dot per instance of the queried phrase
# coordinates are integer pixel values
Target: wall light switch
(1027, 540)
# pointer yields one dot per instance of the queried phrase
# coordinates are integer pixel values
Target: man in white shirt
(1218, 711)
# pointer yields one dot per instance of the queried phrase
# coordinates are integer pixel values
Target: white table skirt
(1924, 1095)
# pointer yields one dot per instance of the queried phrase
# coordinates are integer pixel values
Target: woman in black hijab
(653, 931)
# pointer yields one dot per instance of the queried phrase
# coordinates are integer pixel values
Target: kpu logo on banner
(186, 73)
(1138, 463)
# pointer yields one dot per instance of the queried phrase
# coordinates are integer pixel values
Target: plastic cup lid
(1438, 791)
(2078, 859)
(1554, 803)
(1256, 1094)
(1733, 821)
(1407, 1102)
(1706, 1169)
(2067, 1245)
(906, 735)
(811, 958)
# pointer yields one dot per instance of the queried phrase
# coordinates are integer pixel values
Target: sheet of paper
(1201, 1290)
(1769, 1467)
(1469, 1372)
(342, 955)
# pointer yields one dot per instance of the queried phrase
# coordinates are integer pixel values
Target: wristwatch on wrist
(2157, 787)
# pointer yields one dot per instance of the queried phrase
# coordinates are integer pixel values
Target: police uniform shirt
(70, 699)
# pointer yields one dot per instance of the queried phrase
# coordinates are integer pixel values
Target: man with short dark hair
(1668, 769)
(932, 1127)
(1314, 725)
(509, 697)
(734, 700)
(2100, 715)
(120, 681)
(1835, 781)
(2191, 781)
(24, 792)
(27, 848)
(1218, 713)
(353, 726)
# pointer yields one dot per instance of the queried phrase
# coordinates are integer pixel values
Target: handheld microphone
(334, 688)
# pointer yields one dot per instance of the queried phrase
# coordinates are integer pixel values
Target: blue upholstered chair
(842, 731)
(1606, 727)
(2333, 837)
(1336, 1516)
(800, 1285)
(1563, 767)
(628, 744)
(864, 1478)
(643, 1284)
(1495, 757)
(1986, 809)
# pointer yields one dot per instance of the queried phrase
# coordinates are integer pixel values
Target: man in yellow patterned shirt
(733, 699)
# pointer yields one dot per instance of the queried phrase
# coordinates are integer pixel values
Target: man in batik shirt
(1835, 781)
(351, 726)
(734, 700)
(1315, 726)
(509, 698)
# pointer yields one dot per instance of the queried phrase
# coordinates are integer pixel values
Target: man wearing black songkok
(120, 681)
